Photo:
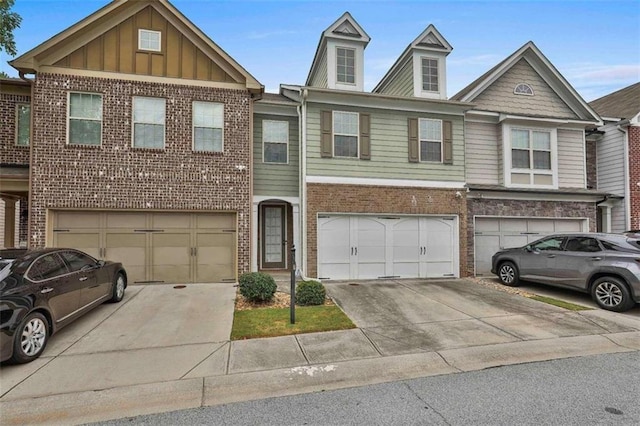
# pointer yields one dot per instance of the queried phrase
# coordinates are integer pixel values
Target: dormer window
(149, 40)
(345, 65)
(523, 89)
(430, 75)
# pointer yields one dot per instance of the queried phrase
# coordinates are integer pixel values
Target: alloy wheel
(609, 294)
(507, 274)
(34, 335)
(120, 287)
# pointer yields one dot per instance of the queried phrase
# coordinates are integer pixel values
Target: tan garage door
(155, 247)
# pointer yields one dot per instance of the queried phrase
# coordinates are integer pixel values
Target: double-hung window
(430, 75)
(275, 141)
(84, 119)
(345, 134)
(148, 122)
(430, 140)
(346, 65)
(532, 157)
(23, 124)
(208, 126)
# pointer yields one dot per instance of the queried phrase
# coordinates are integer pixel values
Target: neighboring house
(140, 145)
(618, 142)
(15, 135)
(526, 156)
(382, 174)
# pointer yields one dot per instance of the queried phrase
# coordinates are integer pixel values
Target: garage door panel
(540, 225)
(130, 249)
(126, 220)
(518, 225)
(88, 242)
(485, 244)
(568, 226)
(439, 244)
(76, 220)
(216, 220)
(170, 221)
(171, 257)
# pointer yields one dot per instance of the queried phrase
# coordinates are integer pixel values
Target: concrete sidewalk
(163, 349)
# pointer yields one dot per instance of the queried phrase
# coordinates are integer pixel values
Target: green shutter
(414, 145)
(365, 141)
(447, 143)
(326, 130)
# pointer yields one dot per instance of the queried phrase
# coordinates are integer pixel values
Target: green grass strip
(272, 322)
(560, 303)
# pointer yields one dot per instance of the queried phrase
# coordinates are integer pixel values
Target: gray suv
(605, 265)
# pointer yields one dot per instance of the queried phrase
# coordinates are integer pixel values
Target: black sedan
(41, 291)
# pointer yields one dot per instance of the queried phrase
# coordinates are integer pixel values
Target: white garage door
(494, 234)
(365, 247)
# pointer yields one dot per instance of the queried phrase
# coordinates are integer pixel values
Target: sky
(594, 44)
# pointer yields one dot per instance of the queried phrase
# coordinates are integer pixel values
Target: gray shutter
(365, 140)
(414, 145)
(326, 130)
(447, 142)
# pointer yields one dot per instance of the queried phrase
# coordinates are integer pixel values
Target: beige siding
(320, 79)
(500, 97)
(483, 153)
(571, 159)
(389, 149)
(276, 179)
(611, 173)
(402, 82)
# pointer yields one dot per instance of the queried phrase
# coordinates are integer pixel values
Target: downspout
(303, 178)
(627, 185)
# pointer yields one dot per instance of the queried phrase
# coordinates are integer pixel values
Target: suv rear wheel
(612, 294)
(508, 274)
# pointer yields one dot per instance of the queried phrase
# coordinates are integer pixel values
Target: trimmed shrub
(310, 293)
(257, 286)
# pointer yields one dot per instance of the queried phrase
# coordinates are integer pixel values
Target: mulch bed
(280, 300)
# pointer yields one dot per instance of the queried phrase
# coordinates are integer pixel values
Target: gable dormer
(421, 69)
(339, 59)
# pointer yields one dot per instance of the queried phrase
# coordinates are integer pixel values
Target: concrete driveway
(156, 334)
(405, 316)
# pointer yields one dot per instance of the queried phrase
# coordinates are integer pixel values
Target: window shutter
(365, 141)
(326, 130)
(447, 142)
(414, 145)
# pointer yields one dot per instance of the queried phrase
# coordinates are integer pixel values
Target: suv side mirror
(528, 248)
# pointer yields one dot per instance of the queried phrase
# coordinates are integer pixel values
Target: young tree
(9, 21)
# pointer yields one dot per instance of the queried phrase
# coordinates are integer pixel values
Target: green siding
(275, 179)
(320, 79)
(389, 148)
(402, 82)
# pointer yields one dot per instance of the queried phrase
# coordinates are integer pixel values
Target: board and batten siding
(389, 148)
(611, 172)
(276, 179)
(321, 79)
(483, 153)
(571, 159)
(402, 82)
(544, 102)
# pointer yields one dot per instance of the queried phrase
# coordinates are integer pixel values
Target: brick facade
(10, 153)
(524, 208)
(634, 175)
(117, 176)
(326, 198)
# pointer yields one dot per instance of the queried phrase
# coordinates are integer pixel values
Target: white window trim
(159, 33)
(17, 118)
(69, 118)
(355, 66)
(286, 142)
(333, 134)
(422, 58)
(193, 127)
(133, 123)
(515, 92)
(420, 139)
(506, 155)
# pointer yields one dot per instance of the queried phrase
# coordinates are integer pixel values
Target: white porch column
(296, 235)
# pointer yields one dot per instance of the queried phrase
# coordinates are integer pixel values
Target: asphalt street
(599, 389)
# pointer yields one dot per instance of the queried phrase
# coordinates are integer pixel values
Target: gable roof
(622, 104)
(345, 28)
(115, 12)
(530, 52)
(429, 40)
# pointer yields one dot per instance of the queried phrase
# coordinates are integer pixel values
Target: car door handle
(83, 278)
(551, 256)
(596, 258)
(46, 290)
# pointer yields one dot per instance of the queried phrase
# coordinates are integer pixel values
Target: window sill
(83, 146)
(208, 152)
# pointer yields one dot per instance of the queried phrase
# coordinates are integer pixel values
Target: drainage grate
(179, 286)
(354, 284)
